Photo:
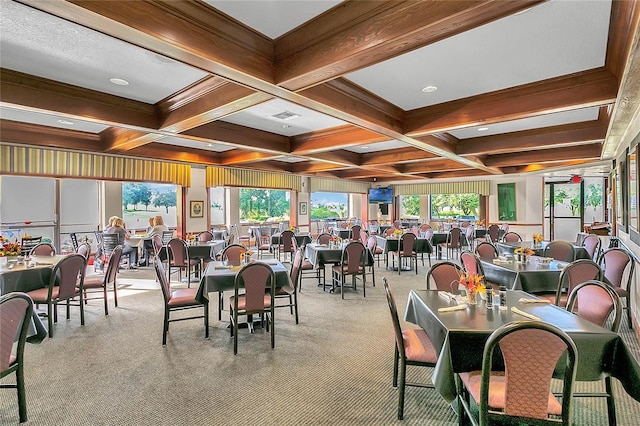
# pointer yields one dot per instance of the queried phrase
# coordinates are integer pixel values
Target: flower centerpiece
(8, 248)
(292, 228)
(522, 253)
(397, 233)
(537, 239)
(245, 257)
(473, 283)
(479, 223)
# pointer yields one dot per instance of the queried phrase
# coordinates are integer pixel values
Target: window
(329, 205)
(143, 200)
(450, 206)
(410, 206)
(264, 205)
(216, 195)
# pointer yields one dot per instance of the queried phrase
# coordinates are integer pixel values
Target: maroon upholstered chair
(531, 350)
(15, 310)
(446, 277)
(592, 244)
(372, 244)
(306, 267)
(471, 263)
(405, 250)
(290, 292)
(486, 249)
(453, 243)
(262, 245)
(66, 283)
(492, 235)
(615, 263)
(43, 249)
(512, 237)
(363, 237)
(372, 249)
(179, 259)
(355, 232)
(560, 250)
(98, 284)
(323, 238)
(351, 264)
(258, 281)
(600, 304)
(179, 300)
(233, 254)
(412, 347)
(285, 245)
(577, 272)
(205, 236)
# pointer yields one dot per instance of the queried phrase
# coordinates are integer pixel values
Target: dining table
(302, 239)
(389, 244)
(27, 276)
(440, 237)
(342, 233)
(321, 255)
(219, 277)
(534, 276)
(459, 337)
(505, 248)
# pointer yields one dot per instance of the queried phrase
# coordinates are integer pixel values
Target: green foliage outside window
(446, 206)
(410, 205)
(329, 205)
(143, 200)
(258, 205)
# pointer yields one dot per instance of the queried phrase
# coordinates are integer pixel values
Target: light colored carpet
(335, 367)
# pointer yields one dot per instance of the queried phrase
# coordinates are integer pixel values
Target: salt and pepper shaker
(503, 297)
(489, 292)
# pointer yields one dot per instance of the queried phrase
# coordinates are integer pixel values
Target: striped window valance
(468, 187)
(48, 162)
(223, 176)
(337, 185)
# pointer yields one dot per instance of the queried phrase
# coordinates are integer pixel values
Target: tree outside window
(449, 206)
(260, 205)
(410, 206)
(143, 200)
(329, 205)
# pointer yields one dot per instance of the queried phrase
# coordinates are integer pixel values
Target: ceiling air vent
(285, 115)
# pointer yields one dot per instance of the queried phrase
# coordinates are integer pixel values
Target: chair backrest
(29, 242)
(109, 242)
(592, 245)
(407, 241)
(156, 241)
(577, 272)
(492, 233)
(512, 237)
(446, 276)
(393, 310)
(531, 351)
(256, 278)
(465, 224)
(614, 262)
(397, 224)
(353, 257)
(15, 308)
(324, 238)
(296, 268)
(486, 249)
(363, 237)
(424, 227)
(389, 231)
(596, 301)
(372, 244)
(178, 252)
(67, 274)
(415, 230)
(113, 266)
(43, 249)
(285, 241)
(355, 232)
(205, 236)
(233, 253)
(469, 232)
(454, 237)
(257, 233)
(560, 250)
(428, 234)
(84, 249)
(166, 237)
(98, 235)
(162, 279)
(74, 240)
(504, 227)
(471, 263)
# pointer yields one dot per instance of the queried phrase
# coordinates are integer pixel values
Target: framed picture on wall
(303, 208)
(196, 209)
(506, 201)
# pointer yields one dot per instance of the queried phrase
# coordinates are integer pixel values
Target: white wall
(529, 205)
(197, 192)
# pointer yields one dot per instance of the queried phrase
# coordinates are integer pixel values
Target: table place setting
(223, 267)
(453, 308)
(447, 295)
(524, 314)
(527, 300)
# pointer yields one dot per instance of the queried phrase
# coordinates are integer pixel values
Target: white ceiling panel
(188, 143)
(376, 147)
(25, 116)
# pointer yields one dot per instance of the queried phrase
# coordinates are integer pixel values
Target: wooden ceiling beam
(357, 34)
(49, 137)
(595, 87)
(242, 157)
(580, 152)
(239, 136)
(161, 151)
(531, 168)
(117, 139)
(396, 156)
(455, 174)
(309, 167)
(331, 139)
(431, 166)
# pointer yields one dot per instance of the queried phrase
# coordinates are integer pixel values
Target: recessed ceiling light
(429, 89)
(210, 145)
(286, 126)
(67, 122)
(365, 147)
(119, 81)
(286, 115)
(483, 129)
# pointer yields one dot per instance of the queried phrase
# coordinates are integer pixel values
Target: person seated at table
(119, 228)
(98, 256)
(157, 228)
(150, 227)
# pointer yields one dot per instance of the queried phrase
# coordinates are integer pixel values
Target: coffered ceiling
(324, 88)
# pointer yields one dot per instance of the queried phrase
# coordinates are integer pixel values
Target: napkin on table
(524, 314)
(446, 295)
(453, 308)
(525, 300)
(223, 266)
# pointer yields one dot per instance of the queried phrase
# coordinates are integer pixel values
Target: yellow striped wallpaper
(337, 185)
(224, 176)
(470, 187)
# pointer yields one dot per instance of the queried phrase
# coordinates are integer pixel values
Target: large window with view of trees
(143, 200)
(264, 205)
(410, 206)
(329, 205)
(452, 206)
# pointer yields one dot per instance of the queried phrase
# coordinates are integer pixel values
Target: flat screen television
(380, 195)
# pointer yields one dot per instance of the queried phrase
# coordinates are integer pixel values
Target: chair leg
(611, 404)
(401, 389)
(22, 396)
(165, 327)
(220, 305)
(106, 306)
(50, 313)
(396, 358)
(295, 298)
(270, 317)
(206, 320)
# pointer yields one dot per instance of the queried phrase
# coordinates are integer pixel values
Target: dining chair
(520, 394)
(179, 300)
(242, 238)
(259, 283)
(306, 267)
(178, 258)
(352, 263)
(94, 284)
(601, 305)
(471, 263)
(486, 249)
(109, 243)
(615, 263)
(324, 238)
(412, 347)
(233, 254)
(262, 245)
(363, 237)
(453, 242)
(560, 250)
(205, 236)
(166, 237)
(355, 232)
(406, 246)
(445, 276)
(290, 292)
(512, 237)
(577, 272)
(285, 245)
(28, 243)
(491, 236)
(592, 244)
(15, 310)
(43, 249)
(469, 234)
(74, 240)
(66, 283)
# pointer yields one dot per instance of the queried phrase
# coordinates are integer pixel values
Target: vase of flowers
(245, 258)
(397, 233)
(473, 284)
(537, 240)
(8, 248)
(522, 254)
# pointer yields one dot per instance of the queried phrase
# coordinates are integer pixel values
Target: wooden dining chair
(560, 250)
(178, 254)
(262, 244)
(592, 244)
(412, 347)
(445, 276)
(285, 245)
(406, 249)
(290, 292)
(486, 249)
(353, 264)
(520, 394)
(617, 263)
(15, 310)
(99, 284)
(453, 243)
